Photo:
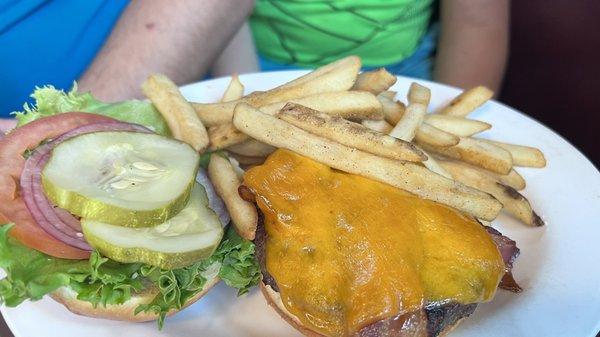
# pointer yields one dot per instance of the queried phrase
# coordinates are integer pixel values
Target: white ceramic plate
(559, 266)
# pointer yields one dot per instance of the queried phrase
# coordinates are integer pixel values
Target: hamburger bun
(274, 300)
(122, 312)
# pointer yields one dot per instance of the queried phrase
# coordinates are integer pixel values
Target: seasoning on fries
(338, 76)
(353, 122)
(352, 105)
(350, 134)
(513, 202)
(405, 175)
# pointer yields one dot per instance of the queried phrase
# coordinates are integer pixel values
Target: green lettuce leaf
(239, 268)
(233, 261)
(176, 286)
(108, 282)
(205, 159)
(100, 281)
(51, 101)
(31, 275)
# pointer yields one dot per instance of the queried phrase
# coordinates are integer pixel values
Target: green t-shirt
(315, 32)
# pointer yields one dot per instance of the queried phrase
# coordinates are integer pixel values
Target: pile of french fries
(350, 121)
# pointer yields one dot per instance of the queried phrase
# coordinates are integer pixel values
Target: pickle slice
(123, 178)
(189, 236)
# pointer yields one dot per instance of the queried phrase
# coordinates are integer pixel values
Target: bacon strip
(509, 251)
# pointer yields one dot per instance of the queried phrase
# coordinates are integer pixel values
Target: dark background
(553, 72)
(554, 68)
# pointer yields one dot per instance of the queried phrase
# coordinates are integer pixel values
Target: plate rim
(11, 324)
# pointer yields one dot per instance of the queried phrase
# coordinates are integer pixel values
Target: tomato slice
(3, 219)
(12, 207)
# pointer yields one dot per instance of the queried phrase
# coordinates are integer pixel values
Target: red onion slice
(41, 209)
(100, 127)
(214, 201)
(58, 222)
(67, 218)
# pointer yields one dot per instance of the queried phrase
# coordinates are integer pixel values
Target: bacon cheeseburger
(342, 255)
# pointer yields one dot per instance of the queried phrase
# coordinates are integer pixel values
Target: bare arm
(177, 38)
(473, 44)
(239, 56)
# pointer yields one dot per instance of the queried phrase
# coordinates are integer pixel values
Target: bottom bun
(274, 300)
(121, 312)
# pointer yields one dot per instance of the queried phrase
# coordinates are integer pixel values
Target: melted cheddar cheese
(347, 251)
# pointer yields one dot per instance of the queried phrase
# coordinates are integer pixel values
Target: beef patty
(437, 317)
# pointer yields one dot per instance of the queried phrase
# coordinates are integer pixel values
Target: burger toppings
(102, 281)
(347, 252)
(123, 178)
(12, 162)
(191, 235)
(54, 220)
(510, 252)
(50, 101)
(109, 210)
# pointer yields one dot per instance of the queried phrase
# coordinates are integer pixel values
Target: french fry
(512, 179)
(392, 110)
(476, 152)
(433, 166)
(213, 114)
(224, 135)
(355, 105)
(247, 160)
(405, 175)
(243, 213)
(234, 91)
(457, 125)
(419, 94)
(350, 134)
(391, 95)
(409, 123)
(484, 222)
(252, 148)
(347, 104)
(513, 202)
(236, 167)
(176, 110)
(433, 136)
(375, 81)
(377, 125)
(336, 67)
(338, 78)
(468, 101)
(522, 155)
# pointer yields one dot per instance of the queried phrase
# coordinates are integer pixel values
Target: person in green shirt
(465, 46)
(188, 40)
